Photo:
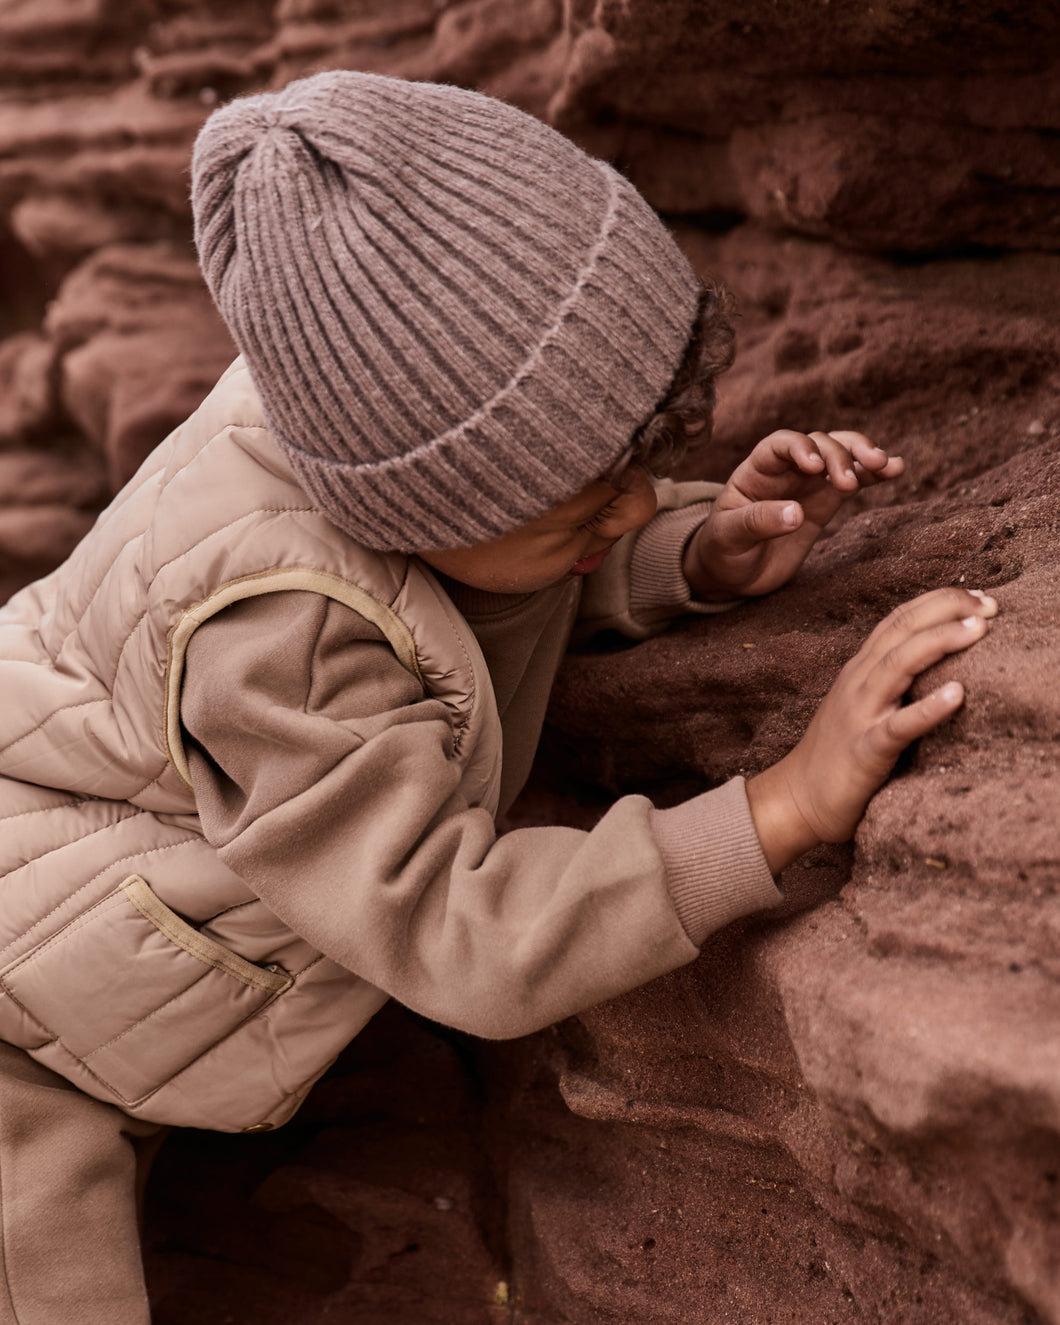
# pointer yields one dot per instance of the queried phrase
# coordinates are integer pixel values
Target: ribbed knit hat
(455, 319)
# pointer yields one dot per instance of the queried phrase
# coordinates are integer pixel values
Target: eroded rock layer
(848, 1113)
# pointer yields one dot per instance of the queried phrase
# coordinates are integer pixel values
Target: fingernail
(951, 692)
(971, 621)
(983, 597)
(791, 514)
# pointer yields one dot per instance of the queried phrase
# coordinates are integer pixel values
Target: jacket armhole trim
(397, 634)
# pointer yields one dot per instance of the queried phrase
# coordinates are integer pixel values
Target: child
(258, 727)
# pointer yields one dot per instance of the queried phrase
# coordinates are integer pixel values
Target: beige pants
(69, 1236)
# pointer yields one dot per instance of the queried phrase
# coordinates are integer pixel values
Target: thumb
(758, 522)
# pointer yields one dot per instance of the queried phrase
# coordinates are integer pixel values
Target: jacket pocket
(135, 992)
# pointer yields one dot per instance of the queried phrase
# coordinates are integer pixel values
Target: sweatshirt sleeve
(326, 779)
(641, 586)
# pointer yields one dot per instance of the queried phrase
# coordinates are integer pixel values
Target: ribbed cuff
(715, 867)
(657, 584)
(655, 575)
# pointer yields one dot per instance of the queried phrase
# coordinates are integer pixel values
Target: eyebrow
(580, 517)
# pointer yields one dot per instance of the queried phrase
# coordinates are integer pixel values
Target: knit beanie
(455, 318)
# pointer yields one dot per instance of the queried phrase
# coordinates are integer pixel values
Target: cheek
(640, 505)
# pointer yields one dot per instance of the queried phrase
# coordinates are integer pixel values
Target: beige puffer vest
(132, 961)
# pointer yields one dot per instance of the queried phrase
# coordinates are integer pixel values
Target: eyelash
(601, 517)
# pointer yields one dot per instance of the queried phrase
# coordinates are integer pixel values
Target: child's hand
(774, 506)
(819, 791)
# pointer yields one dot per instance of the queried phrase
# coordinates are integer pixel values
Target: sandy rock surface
(846, 1112)
(876, 1075)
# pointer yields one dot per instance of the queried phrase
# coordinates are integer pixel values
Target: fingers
(866, 453)
(913, 638)
(818, 469)
(847, 459)
(744, 528)
(939, 608)
(907, 724)
(862, 726)
(870, 690)
(852, 460)
(915, 654)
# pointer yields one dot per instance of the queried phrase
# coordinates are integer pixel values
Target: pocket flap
(269, 980)
(135, 992)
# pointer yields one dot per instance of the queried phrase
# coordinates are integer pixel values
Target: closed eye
(601, 517)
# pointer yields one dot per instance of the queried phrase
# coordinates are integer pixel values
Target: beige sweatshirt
(324, 776)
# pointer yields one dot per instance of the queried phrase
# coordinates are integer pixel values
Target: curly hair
(660, 443)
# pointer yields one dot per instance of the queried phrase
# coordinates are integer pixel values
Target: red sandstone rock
(882, 1064)
(140, 345)
(27, 363)
(33, 538)
(888, 126)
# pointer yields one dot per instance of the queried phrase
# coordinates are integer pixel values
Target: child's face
(571, 539)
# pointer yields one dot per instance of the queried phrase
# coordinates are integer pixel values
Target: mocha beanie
(454, 318)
